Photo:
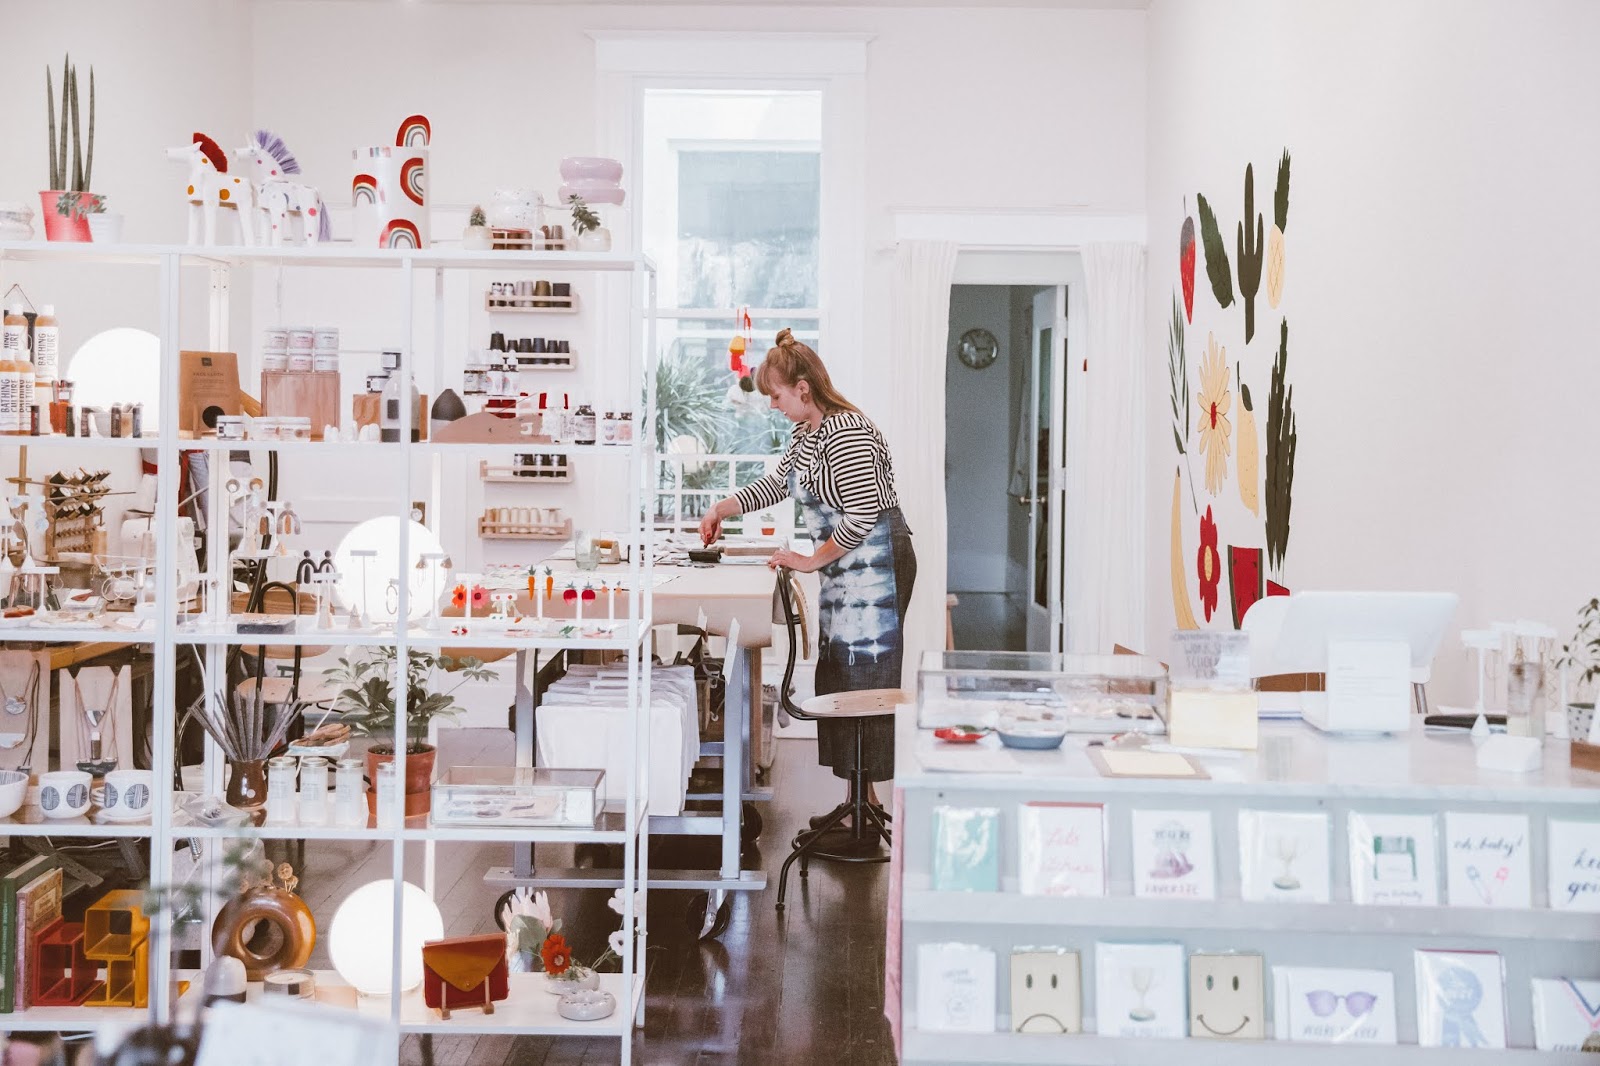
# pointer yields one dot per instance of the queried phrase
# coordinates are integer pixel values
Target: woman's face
(792, 401)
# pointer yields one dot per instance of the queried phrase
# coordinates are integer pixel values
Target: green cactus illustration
(1250, 253)
(1282, 437)
(1216, 255)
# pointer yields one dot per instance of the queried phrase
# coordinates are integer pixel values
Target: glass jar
(625, 428)
(281, 809)
(583, 425)
(388, 796)
(350, 793)
(313, 790)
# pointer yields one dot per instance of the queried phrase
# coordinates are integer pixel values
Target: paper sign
(1118, 762)
(1574, 866)
(1487, 860)
(1220, 659)
(1369, 685)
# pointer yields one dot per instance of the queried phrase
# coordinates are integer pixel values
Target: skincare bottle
(583, 425)
(15, 348)
(400, 386)
(46, 354)
(23, 404)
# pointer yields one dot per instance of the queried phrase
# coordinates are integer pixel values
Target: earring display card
(1138, 990)
(1565, 1013)
(1487, 860)
(1322, 1006)
(966, 849)
(1046, 991)
(1061, 849)
(1227, 997)
(1461, 999)
(955, 988)
(1574, 849)
(1174, 856)
(1394, 860)
(1283, 855)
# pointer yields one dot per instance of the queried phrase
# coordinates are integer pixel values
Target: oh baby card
(1487, 860)
(1173, 855)
(1574, 849)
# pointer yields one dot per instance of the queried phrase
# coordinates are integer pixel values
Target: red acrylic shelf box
(63, 975)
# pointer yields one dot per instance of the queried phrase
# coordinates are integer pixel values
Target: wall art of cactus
(76, 179)
(1281, 440)
(1280, 223)
(1216, 255)
(1178, 375)
(1250, 253)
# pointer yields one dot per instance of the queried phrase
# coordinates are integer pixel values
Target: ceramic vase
(419, 779)
(59, 227)
(595, 240)
(105, 227)
(476, 239)
(247, 788)
(390, 195)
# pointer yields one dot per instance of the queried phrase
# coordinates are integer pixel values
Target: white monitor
(1312, 620)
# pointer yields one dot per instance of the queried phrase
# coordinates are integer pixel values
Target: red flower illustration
(555, 954)
(458, 597)
(480, 596)
(1210, 564)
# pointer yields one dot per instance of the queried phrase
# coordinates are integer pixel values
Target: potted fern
(64, 203)
(592, 237)
(476, 237)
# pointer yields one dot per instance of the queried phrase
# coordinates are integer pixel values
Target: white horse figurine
(211, 188)
(282, 203)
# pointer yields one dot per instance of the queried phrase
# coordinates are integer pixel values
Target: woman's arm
(828, 551)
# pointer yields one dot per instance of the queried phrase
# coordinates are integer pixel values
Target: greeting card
(1061, 849)
(1283, 855)
(1461, 999)
(1487, 860)
(1574, 849)
(1565, 1013)
(1046, 991)
(1227, 997)
(955, 988)
(1173, 855)
(1139, 990)
(1323, 1006)
(966, 849)
(1394, 860)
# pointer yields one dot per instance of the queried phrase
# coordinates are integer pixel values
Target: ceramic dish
(1031, 741)
(13, 790)
(960, 734)
(1033, 730)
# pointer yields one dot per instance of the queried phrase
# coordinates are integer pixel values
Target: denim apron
(861, 612)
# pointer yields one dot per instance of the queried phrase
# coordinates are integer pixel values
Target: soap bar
(1211, 718)
(1511, 755)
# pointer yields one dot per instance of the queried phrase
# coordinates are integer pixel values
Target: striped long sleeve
(854, 476)
(769, 490)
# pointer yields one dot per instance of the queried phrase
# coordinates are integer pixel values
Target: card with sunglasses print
(1327, 1006)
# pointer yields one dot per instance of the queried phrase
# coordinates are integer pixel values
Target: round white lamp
(361, 942)
(364, 579)
(121, 365)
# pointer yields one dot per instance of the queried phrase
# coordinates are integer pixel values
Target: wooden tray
(506, 475)
(532, 305)
(505, 531)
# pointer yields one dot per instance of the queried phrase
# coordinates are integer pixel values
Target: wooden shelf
(490, 530)
(506, 475)
(531, 305)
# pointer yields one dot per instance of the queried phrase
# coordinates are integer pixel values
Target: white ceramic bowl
(13, 790)
(64, 793)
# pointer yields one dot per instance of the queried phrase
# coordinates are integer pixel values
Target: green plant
(691, 400)
(1250, 253)
(77, 179)
(78, 204)
(1282, 437)
(1216, 255)
(583, 217)
(367, 699)
(477, 218)
(1582, 652)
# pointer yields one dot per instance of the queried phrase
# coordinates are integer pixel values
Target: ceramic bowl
(1033, 730)
(592, 191)
(591, 168)
(64, 793)
(1031, 741)
(13, 790)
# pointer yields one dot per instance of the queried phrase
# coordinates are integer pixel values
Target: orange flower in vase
(555, 954)
(458, 597)
(1209, 564)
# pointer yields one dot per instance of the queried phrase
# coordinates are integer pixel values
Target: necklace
(15, 707)
(97, 761)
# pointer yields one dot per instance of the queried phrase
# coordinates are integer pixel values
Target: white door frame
(1025, 247)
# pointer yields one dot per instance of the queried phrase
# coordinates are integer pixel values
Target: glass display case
(1041, 694)
(517, 795)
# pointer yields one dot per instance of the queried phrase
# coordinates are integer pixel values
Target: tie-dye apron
(862, 610)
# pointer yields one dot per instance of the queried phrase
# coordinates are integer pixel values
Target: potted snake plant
(66, 203)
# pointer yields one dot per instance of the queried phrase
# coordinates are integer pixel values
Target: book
(1324, 1006)
(1139, 990)
(1046, 991)
(9, 883)
(1174, 856)
(1394, 860)
(1061, 849)
(955, 988)
(1461, 999)
(1565, 1013)
(1227, 996)
(1574, 855)
(1487, 860)
(38, 905)
(1283, 855)
(966, 849)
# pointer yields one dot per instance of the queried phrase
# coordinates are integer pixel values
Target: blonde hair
(789, 362)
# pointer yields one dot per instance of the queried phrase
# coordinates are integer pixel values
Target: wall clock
(978, 348)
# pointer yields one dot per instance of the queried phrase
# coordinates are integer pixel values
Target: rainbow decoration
(400, 233)
(413, 179)
(364, 189)
(415, 132)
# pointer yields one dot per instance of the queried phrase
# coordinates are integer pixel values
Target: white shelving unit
(529, 1010)
(1308, 771)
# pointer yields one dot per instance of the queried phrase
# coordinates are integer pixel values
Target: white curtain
(1105, 494)
(919, 340)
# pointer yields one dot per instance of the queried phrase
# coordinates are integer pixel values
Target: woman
(837, 469)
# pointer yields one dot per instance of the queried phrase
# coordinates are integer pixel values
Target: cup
(325, 339)
(275, 340)
(128, 794)
(302, 338)
(64, 793)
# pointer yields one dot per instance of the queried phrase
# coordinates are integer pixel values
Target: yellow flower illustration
(1215, 400)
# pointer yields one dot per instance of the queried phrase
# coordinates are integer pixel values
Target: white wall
(977, 444)
(1439, 282)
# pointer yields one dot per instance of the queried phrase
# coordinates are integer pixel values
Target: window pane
(747, 228)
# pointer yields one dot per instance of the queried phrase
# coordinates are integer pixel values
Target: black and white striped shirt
(844, 461)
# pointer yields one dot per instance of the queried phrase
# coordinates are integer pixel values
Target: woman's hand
(800, 564)
(711, 524)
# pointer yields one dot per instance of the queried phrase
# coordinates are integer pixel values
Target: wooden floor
(804, 988)
(990, 621)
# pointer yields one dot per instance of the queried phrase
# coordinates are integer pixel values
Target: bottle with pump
(46, 355)
(15, 347)
(25, 396)
(400, 387)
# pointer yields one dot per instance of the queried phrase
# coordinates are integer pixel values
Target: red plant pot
(419, 780)
(59, 227)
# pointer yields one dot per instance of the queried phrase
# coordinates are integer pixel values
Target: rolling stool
(869, 822)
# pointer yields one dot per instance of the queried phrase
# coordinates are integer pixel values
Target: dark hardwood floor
(802, 988)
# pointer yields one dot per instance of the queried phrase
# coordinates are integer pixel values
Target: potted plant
(70, 224)
(368, 705)
(592, 237)
(476, 236)
(1581, 657)
(105, 227)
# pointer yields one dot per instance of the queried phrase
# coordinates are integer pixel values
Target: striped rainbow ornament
(415, 132)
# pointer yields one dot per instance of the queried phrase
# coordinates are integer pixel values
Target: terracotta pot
(247, 788)
(419, 778)
(59, 227)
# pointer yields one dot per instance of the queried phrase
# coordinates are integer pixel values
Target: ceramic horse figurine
(210, 188)
(279, 199)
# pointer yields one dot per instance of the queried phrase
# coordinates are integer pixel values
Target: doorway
(1004, 415)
